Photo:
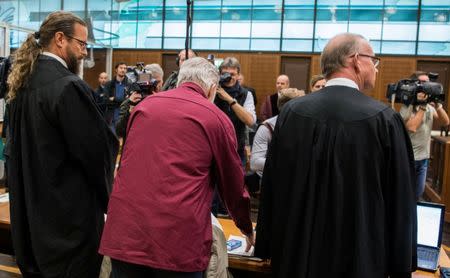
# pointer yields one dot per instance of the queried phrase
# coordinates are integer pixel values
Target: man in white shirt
(418, 120)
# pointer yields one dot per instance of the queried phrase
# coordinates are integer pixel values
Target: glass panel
(209, 10)
(206, 24)
(235, 44)
(126, 32)
(297, 45)
(266, 29)
(400, 31)
(332, 19)
(46, 7)
(434, 22)
(235, 29)
(368, 30)
(175, 24)
(124, 23)
(149, 35)
(2, 42)
(328, 30)
(9, 12)
(175, 29)
(77, 7)
(434, 48)
(265, 44)
(29, 14)
(399, 24)
(206, 29)
(366, 18)
(402, 48)
(376, 46)
(298, 23)
(174, 43)
(298, 30)
(149, 31)
(17, 38)
(100, 13)
(201, 43)
(149, 42)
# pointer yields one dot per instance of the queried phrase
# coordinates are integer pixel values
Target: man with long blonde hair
(60, 154)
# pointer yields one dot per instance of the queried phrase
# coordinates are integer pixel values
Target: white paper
(4, 198)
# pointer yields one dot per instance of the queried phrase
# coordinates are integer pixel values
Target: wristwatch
(233, 102)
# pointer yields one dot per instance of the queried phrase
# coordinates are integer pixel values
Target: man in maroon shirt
(179, 145)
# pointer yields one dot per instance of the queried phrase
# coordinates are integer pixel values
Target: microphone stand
(189, 4)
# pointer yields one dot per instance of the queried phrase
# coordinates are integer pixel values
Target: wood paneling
(262, 69)
(91, 75)
(390, 70)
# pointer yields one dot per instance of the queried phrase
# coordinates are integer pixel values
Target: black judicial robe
(61, 157)
(338, 192)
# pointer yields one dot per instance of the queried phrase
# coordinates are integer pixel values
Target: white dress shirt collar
(46, 53)
(341, 81)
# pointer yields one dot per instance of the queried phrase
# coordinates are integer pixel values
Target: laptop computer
(430, 222)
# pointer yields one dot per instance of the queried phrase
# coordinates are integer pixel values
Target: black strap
(269, 127)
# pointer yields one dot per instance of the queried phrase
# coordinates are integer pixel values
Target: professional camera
(405, 91)
(224, 78)
(142, 80)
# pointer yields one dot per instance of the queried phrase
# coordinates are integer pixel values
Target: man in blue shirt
(116, 90)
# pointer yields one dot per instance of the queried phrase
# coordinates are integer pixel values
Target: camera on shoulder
(141, 79)
(405, 91)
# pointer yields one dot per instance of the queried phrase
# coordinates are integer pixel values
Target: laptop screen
(429, 225)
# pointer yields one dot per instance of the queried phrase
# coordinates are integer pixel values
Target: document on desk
(4, 198)
(240, 251)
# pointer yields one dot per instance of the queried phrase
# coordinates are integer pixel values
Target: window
(392, 26)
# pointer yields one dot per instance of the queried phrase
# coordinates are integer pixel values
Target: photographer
(418, 118)
(235, 101)
(127, 106)
(116, 89)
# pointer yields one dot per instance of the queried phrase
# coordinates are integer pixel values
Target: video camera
(405, 91)
(146, 85)
(224, 78)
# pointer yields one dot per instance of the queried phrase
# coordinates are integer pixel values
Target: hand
(135, 97)
(250, 241)
(224, 95)
(436, 105)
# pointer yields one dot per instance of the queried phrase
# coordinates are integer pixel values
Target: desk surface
(230, 229)
(4, 215)
(243, 264)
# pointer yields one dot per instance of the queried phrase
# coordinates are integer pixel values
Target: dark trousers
(421, 176)
(121, 269)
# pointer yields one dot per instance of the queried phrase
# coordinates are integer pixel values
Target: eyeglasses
(375, 60)
(83, 44)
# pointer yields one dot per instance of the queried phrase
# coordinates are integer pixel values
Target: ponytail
(24, 60)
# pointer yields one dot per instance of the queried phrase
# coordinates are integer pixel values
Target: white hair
(155, 69)
(200, 71)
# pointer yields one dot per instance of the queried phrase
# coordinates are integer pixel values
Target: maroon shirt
(178, 146)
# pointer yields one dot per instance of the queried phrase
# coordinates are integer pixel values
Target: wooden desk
(243, 264)
(264, 267)
(5, 230)
(4, 216)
